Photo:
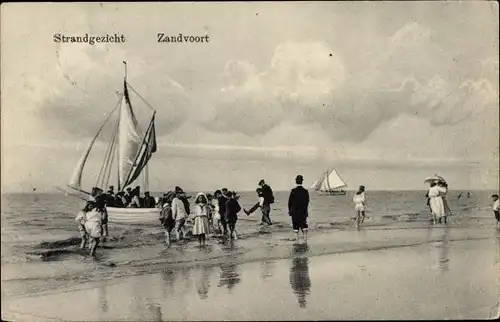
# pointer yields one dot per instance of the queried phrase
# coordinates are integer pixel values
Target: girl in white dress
(201, 212)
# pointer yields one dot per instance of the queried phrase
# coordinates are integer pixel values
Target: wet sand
(398, 273)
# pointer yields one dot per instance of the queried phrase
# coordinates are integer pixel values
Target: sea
(39, 239)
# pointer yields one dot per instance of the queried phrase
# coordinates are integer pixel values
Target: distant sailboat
(330, 183)
(132, 150)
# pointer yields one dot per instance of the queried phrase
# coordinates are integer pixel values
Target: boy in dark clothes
(232, 210)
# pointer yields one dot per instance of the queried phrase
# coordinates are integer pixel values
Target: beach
(395, 267)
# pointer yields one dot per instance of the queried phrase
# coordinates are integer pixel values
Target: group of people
(218, 212)
(436, 200)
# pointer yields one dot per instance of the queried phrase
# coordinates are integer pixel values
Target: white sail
(314, 185)
(129, 139)
(331, 181)
(335, 180)
(76, 179)
(324, 186)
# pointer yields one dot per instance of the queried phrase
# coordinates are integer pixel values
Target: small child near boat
(80, 220)
(166, 216)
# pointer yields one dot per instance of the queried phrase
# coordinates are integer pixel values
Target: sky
(388, 93)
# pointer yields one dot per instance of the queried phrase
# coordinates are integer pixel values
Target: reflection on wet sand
(299, 273)
(103, 298)
(229, 275)
(154, 312)
(168, 276)
(203, 282)
(267, 268)
(442, 248)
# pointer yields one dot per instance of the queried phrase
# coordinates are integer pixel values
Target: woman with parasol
(435, 198)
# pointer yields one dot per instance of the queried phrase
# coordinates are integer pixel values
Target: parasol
(434, 178)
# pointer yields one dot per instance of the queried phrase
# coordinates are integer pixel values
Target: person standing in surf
(166, 217)
(496, 208)
(224, 197)
(359, 206)
(267, 194)
(179, 213)
(216, 217)
(447, 211)
(436, 202)
(298, 208)
(259, 203)
(201, 213)
(94, 212)
(232, 210)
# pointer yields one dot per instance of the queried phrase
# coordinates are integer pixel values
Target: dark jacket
(267, 193)
(185, 201)
(222, 205)
(232, 208)
(298, 202)
(149, 202)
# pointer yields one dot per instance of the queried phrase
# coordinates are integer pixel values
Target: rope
(112, 159)
(142, 98)
(106, 157)
(104, 165)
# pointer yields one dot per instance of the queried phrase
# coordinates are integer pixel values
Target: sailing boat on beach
(330, 183)
(132, 150)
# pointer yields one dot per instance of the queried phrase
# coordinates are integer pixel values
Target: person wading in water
(224, 197)
(298, 204)
(267, 194)
(179, 212)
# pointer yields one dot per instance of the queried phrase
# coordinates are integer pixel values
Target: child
(166, 218)
(216, 219)
(496, 208)
(232, 210)
(80, 219)
(359, 206)
(258, 204)
(201, 213)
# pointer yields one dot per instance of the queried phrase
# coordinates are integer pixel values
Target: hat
(299, 179)
(178, 190)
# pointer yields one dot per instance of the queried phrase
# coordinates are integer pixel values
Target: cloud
(308, 83)
(84, 88)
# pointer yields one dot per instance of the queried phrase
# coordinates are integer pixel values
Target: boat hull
(133, 215)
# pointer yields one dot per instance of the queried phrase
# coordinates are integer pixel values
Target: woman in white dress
(436, 201)
(201, 212)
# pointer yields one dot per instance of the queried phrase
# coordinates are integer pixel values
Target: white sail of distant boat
(132, 150)
(315, 184)
(331, 183)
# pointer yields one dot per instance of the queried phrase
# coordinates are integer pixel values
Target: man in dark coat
(149, 201)
(267, 193)
(298, 204)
